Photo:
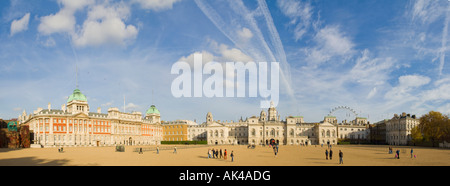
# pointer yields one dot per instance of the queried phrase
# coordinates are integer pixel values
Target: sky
(378, 58)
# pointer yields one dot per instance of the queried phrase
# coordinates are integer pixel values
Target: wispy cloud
(20, 24)
(300, 14)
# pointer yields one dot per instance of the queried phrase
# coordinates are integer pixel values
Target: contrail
(444, 40)
(258, 48)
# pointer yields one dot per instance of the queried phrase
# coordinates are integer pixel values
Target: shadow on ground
(32, 161)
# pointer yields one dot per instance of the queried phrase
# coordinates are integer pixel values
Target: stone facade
(75, 125)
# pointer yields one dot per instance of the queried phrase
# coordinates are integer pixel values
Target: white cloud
(427, 11)
(104, 25)
(20, 25)
(64, 20)
(156, 5)
(300, 14)
(331, 42)
(372, 93)
(371, 71)
(131, 107)
(440, 93)
(245, 34)
(61, 22)
(406, 84)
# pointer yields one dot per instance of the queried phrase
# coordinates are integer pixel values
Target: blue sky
(377, 57)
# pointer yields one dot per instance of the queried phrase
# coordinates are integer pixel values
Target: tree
(416, 135)
(435, 127)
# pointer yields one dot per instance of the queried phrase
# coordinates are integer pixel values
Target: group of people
(397, 153)
(329, 153)
(217, 154)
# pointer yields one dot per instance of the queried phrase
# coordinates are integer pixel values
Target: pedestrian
(213, 153)
(225, 154)
(411, 153)
(326, 153)
(331, 154)
(398, 154)
(157, 149)
(209, 153)
(277, 148)
(217, 153)
(221, 153)
(341, 157)
(274, 151)
(232, 156)
(140, 151)
(175, 150)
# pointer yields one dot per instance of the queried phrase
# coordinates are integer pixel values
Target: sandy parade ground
(192, 155)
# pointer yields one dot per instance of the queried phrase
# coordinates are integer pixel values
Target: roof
(77, 95)
(152, 110)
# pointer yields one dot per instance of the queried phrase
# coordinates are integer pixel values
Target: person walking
(274, 151)
(411, 153)
(326, 154)
(213, 153)
(220, 152)
(341, 157)
(209, 153)
(157, 149)
(331, 154)
(232, 156)
(175, 150)
(225, 154)
(398, 154)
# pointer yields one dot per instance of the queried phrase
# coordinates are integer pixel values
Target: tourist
(217, 153)
(274, 151)
(213, 153)
(209, 153)
(225, 154)
(411, 153)
(341, 157)
(331, 154)
(175, 150)
(326, 154)
(157, 149)
(221, 153)
(398, 154)
(232, 156)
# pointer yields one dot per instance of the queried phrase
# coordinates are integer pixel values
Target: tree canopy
(433, 127)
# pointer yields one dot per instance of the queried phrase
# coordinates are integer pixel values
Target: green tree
(435, 127)
(416, 135)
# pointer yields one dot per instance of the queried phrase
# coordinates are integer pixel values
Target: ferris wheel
(346, 108)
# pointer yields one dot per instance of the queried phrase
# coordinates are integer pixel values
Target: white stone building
(75, 125)
(398, 129)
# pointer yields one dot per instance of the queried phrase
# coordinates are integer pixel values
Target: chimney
(99, 110)
(49, 106)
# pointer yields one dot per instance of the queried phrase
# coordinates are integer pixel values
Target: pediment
(80, 115)
(215, 124)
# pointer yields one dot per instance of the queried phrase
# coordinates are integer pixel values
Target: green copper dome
(152, 110)
(77, 95)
